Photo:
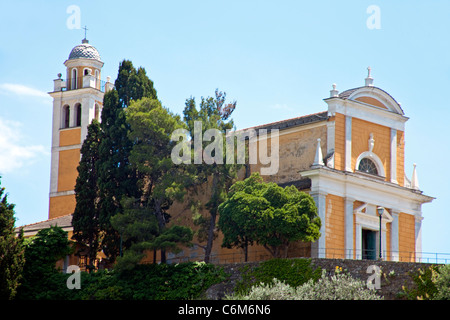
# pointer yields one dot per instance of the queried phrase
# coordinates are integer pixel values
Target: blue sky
(278, 59)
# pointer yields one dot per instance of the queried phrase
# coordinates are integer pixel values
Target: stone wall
(394, 275)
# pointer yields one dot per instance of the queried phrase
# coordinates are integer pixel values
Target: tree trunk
(163, 256)
(161, 225)
(212, 221)
(246, 251)
(212, 225)
(272, 252)
(286, 250)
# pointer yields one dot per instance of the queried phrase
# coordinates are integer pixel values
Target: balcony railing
(87, 81)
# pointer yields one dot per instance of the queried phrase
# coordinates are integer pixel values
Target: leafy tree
(212, 113)
(85, 220)
(41, 254)
(11, 250)
(238, 214)
(269, 215)
(116, 177)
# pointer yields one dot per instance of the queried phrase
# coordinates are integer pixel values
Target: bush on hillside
(144, 282)
(337, 287)
(293, 272)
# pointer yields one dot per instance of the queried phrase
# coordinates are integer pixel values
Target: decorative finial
(414, 179)
(371, 142)
(369, 79)
(318, 159)
(334, 92)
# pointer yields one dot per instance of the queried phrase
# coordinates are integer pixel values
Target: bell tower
(76, 101)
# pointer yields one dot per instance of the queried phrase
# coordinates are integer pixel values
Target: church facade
(350, 158)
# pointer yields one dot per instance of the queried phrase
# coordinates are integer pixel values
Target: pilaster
(394, 155)
(318, 247)
(348, 143)
(418, 237)
(394, 236)
(349, 228)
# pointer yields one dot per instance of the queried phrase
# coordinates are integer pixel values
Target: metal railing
(388, 255)
(330, 253)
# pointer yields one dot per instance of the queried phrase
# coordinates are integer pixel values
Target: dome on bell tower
(84, 51)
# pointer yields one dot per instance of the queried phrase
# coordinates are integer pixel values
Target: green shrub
(337, 287)
(293, 272)
(169, 281)
(424, 288)
(441, 279)
(41, 280)
(144, 282)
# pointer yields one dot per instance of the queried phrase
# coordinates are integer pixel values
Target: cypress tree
(85, 220)
(12, 250)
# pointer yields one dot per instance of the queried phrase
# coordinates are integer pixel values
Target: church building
(350, 158)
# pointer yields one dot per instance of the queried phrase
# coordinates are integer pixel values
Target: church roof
(348, 93)
(85, 51)
(293, 122)
(63, 222)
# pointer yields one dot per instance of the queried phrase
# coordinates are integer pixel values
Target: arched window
(66, 117)
(367, 166)
(78, 114)
(97, 112)
(74, 79)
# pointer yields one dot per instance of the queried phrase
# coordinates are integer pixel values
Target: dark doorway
(369, 244)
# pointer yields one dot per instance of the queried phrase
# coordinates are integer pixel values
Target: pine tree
(85, 220)
(213, 113)
(161, 180)
(116, 178)
(12, 256)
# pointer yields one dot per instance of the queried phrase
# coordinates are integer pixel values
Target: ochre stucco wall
(361, 131)
(61, 205)
(67, 173)
(335, 226)
(406, 230)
